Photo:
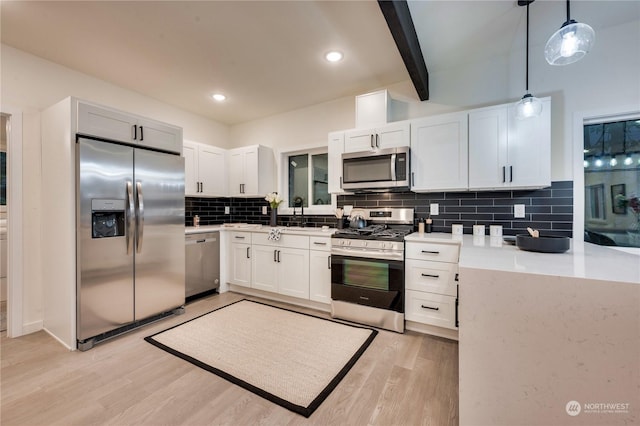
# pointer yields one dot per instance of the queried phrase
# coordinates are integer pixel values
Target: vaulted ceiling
(267, 56)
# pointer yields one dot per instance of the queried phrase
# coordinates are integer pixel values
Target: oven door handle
(369, 254)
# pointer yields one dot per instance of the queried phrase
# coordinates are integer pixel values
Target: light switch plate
(518, 210)
(227, 210)
(264, 209)
(434, 209)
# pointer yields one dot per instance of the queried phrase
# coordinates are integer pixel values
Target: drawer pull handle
(430, 275)
(430, 252)
(319, 244)
(429, 307)
(240, 238)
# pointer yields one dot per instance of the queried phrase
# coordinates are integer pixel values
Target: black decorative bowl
(542, 244)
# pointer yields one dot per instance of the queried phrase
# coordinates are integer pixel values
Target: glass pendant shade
(528, 106)
(570, 43)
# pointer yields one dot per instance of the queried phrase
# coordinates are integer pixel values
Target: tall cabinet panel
(334, 154)
(439, 153)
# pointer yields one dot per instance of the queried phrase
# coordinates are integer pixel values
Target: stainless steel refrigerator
(130, 237)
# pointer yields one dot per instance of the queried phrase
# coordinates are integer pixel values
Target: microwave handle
(393, 167)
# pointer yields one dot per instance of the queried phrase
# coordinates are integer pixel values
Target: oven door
(377, 283)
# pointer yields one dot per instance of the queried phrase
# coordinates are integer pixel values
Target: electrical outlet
(518, 210)
(227, 210)
(434, 209)
(264, 209)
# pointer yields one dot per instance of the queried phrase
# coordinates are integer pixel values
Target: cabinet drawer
(433, 251)
(292, 241)
(429, 308)
(320, 243)
(429, 276)
(240, 237)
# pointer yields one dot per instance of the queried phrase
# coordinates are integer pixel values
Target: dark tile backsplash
(550, 209)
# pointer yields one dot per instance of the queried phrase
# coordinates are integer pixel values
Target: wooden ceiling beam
(398, 18)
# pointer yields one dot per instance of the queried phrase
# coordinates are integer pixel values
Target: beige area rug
(292, 359)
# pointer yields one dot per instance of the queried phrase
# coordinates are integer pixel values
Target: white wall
(34, 83)
(606, 77)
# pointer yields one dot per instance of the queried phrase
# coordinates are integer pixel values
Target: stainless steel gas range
(367, 269)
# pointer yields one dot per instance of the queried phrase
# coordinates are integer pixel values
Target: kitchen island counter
(539, 332)
(583, 260)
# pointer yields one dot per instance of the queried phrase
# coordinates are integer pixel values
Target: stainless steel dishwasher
(202, 264)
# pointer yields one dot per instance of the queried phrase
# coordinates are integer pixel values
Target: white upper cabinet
(103, 122)
(529, 150)
(505, 152)
(205, 170)
(391, 135)
(373, 109)
(334, 154)
(439, 153)
(251, 171)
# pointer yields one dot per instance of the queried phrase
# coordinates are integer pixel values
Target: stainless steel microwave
(384, 169)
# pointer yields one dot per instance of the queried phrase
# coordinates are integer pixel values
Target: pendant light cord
(527, 49)
(568, 15)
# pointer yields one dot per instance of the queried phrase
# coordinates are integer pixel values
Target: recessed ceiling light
(218, 97)
(333, 56)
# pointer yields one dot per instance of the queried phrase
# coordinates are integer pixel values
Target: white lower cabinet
(431, 271)
(293, 272)
(431, 308)
(320, 269)
(264, 268)
(240, 259)
(281, 266)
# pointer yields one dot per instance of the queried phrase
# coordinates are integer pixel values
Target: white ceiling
(267, 56)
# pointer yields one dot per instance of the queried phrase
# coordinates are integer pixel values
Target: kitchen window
(611, 160)
(305, 176)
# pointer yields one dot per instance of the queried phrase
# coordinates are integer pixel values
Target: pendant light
(570, 43)
(528, 106)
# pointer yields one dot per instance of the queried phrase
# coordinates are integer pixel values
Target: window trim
(580, 119)
(283, 181)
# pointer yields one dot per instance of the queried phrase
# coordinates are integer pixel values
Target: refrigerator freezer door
(105, 269)
(159, 253)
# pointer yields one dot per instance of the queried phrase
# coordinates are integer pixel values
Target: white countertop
(583, 260)
(294, 230)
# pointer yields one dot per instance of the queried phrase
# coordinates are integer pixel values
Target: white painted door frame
(15, 246)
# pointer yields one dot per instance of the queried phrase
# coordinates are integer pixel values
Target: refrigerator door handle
(139, 217)
(130, 214)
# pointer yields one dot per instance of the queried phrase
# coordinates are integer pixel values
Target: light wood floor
(402, 379)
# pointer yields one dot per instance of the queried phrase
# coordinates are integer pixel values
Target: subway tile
(564, 184)
(562, 193)
(560, 201)
(552, 217)
(477, 202)
(494, 209)
(461, 209)
(562, 209)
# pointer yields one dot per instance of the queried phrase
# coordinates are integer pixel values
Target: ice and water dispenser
(107, 218)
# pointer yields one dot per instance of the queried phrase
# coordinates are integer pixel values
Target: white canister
(456, 229)
(495, 230)
(478, 230)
